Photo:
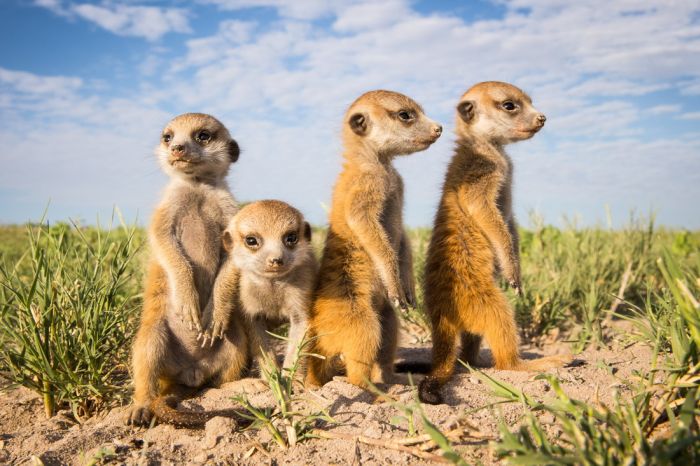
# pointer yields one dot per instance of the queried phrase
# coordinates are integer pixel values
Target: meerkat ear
(466, 110)
(307, 231)
(233, 150)
(359, 123)
(227, 240)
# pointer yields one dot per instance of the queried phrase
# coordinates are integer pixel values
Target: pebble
(216, 429)
(201, 458)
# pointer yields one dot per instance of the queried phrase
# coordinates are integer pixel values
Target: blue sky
(85, 88)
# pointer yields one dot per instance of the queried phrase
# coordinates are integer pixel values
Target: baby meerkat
(196, 151)
(366, 270)
(475, 235)
(270, 274)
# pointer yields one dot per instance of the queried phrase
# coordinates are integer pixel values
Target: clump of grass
(66, 308)
(659, 425)
(285, 423)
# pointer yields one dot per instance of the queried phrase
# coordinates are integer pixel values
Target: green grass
(68, 303)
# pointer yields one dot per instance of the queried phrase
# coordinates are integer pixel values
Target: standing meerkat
(366, 270)
(196, 151)
(269, 277)
(475, 235)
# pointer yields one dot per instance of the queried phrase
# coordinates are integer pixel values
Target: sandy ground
(27, 437)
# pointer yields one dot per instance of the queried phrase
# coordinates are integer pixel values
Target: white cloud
(690, 116)
(305, 10)
(663, 109)
(149, 22)
(20, 82)
(138, 21)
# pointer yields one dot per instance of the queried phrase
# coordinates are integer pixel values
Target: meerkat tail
(165, 410)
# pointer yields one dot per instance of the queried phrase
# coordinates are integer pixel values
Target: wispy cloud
(149, 22)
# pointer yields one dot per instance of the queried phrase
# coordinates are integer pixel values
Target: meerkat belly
(460, 245)
(200, 238)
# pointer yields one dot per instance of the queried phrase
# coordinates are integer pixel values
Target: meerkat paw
(214, 331)
(188, 312)
(429, 391)
(139, 415)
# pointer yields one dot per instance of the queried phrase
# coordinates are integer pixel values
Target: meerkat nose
(276, 261)
(177, 149)
(541, 119)
(438, 130)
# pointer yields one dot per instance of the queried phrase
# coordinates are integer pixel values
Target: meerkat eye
(291, 239)
(509, 106)
(251, 241)
(167, 137)
(204, 136)
(405, 116)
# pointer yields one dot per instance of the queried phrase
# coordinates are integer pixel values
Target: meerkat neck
(209, 180)
(363, 154)
(480, 145)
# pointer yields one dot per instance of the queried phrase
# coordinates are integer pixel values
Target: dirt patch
(25, 433)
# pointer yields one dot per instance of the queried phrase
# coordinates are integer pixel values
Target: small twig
(258, 446)
(620, 293)
(687, 293)
(390, 444)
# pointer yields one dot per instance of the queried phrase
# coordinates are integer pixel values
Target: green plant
(283, 421)
(66, 309)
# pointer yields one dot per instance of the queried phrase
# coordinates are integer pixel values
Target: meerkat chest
(260, 296)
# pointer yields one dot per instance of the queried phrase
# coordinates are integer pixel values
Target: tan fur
(186, 253)
(475, 236)
(366, 271)
(270, 280)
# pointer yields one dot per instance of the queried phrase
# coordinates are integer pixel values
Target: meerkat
(366, 269)
(475, 237)
(270, 275)
(196, 151)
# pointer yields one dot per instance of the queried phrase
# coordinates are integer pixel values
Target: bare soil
(27, 437)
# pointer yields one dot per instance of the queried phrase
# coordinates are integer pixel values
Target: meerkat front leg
(363, 220)
(260, 346)
(298, 324)
(178, 269)
(223, 301)
(406, 269)
(491, 221)
(515, 246)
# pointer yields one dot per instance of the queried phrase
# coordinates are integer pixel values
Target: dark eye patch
(291, 238)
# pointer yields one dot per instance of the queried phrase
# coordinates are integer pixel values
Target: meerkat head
(499, 112)
(390, 124)
(196, 146)
(267, 238)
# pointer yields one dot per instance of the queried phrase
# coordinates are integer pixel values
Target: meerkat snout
(541, 119)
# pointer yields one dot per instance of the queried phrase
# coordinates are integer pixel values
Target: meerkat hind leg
(383, 369)
(469, 352)
(501, 333)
